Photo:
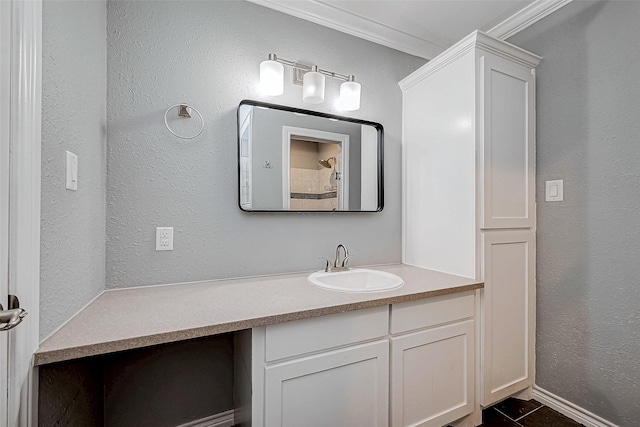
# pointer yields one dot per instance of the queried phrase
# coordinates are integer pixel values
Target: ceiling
(423, 28)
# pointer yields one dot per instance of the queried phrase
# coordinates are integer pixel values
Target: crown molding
(331, 16)
(525, 17)
(450, 55)
(475, 40)
(341, 20)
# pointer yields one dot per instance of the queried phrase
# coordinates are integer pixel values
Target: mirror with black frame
(291, 159)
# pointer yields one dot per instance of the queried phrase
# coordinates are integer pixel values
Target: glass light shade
(350, 96)
(272, 78)
(313, 87)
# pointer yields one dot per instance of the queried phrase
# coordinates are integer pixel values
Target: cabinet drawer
(325, 332)
(424, 313)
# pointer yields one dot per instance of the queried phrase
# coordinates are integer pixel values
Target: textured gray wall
(208, 54)
(72, 269)
(160, 386)
(170, 384)
(71, 393)
(587, 247)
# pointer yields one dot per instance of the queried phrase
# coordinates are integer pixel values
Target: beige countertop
(126, 319)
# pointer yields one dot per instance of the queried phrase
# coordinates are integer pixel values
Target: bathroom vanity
(469, 194)
(399, 357)
(403, 364)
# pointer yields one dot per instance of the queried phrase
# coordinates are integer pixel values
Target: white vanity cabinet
(408, 364)
(469, 196)
(432, 361)
(325, 371)
(508, 317)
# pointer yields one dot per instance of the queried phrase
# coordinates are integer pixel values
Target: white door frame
(5, 67)
(20, 135)
(343, 184)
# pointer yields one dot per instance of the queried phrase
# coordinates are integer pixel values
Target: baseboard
(569, 409)
(223, 419)
(576, 413)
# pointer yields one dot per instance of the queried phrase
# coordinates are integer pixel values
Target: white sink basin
(356, 280)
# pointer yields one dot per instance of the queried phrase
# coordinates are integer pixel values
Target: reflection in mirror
(298, 160)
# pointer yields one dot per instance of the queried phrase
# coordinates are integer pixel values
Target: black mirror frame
(379, 128)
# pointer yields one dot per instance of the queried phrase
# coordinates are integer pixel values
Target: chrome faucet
(337, 265)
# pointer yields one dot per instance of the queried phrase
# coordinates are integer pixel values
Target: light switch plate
(554, 191)
(164, 238)
(72, 171)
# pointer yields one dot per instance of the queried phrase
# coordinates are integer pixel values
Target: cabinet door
(432, 375)
(507, 314)
(348, 387)
(506, 140)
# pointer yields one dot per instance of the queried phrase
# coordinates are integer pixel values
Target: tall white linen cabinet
(469, 195)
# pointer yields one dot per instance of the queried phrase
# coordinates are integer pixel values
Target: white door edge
(23, 33)
(5, 68)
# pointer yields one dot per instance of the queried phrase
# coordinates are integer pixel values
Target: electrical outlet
(164, 238)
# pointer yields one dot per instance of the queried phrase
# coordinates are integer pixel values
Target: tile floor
(524, 413)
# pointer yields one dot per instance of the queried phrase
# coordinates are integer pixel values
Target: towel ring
(185, 111)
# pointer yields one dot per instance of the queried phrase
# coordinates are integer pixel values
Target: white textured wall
(588, 274)
(207, 54)
(73, 118)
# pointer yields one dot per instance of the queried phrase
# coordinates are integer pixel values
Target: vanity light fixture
(272, 76)
(313, 82)
(313, 86)
(350, 94)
